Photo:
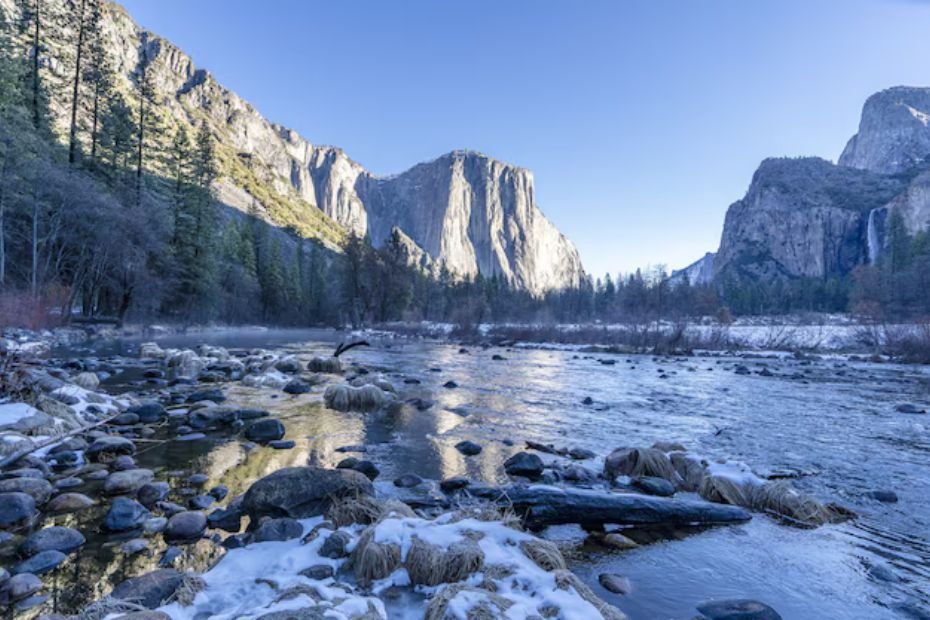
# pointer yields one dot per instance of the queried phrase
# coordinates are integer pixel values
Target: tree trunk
(72, 146)
(35, 245)
(36, 117)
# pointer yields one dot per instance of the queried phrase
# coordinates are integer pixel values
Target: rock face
(894, 132)
(465, 210)
(698, 273)
(801, 218)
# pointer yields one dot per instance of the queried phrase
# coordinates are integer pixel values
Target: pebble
(615, 583)
(468, 448)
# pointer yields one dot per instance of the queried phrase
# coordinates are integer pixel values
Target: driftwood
(540, 506)
(343, 347)
(53, 440)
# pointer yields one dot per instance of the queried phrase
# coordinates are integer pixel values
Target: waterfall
(873, 242)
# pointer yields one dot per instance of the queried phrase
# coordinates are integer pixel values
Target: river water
(830, 422)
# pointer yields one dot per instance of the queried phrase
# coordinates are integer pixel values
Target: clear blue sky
(641, 119)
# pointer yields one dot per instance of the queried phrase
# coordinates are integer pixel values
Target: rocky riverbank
(308, 540)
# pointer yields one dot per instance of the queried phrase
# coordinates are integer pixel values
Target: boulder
(366, 467)
(86, 380)
(302, 492)
(150, 590)
(297, 387)
(149, 412)
(215, 394)
(228, 520)
(18, 587)
(151, 493)
(56, 538)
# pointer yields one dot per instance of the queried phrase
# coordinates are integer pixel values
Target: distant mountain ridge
(810, 218)
(464, 210)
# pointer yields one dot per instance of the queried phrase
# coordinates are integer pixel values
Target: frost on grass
(469, 568)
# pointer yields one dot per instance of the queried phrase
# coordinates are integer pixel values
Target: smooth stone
(265, 430)
(281, 529)
(737, 609)
(40, 563)
(468, 448)
(68, 483)
(125, 419)
(456, 483)
(153, 492)
(170, 508)
(228, 520)
(524, 464)
(282, 444)
(888, 497)
(201, 502)
(334, 546)
(216, 395)
(368, 468)
(56, 537)
(69, 502)
(616, 540)
(125, 514)
(615, 583)
(190, 437)
(127, 482)
(580, 454)
(19, 587)
(149, 590)
(318, 572)
(297, 387)
(154, 525)
(197, 480)
(187, 525)
(170, 556)
(219, 492)
(408, 481)
(38, 488)
(134, 546)
(16, 510)
(652, 485)
(123, 462)
(105, 449)
(149, 412)
(97, 474)
(450, 385)
(909, 408)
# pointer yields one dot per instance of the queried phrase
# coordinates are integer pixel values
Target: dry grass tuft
(783, 501)
(373, 560)
(344, 397)
(430, 565)
(723, 490)
(486, 606)
(365, 510)
(544, 553)
(689, 468)
(330, 365)
(190, 586)
(106, 607)
(635, 462)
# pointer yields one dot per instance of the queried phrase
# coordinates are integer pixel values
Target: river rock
(909, 408)
(615, 583)
(468, 448)
(16, 510)
(105, 449)
(201, 502)
(219, 492)
(57, 538)
(318, 572)
(40, 563)
(215, 394)
(888, 497)
(69, 502)
(366, 467)
(187, 525)
(150, 590)
(737, 609)
(127, 482)
(228, 520)
(125, 419)
(278, 529)
(302, 492)
(265, 430)
(335, 545)
(453, 484)
(152, 492)
(616, 540)
(289, 365)
(652, 485)
(149, 412)
(408, 481)
(297, 387)
(524, 464)
(18, 587)
(125, 514)
(38, 488)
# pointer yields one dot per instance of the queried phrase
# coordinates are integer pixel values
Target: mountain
(810, 218)
(698, 273)
(465, 210)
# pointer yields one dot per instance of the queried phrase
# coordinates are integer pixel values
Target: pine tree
(80, 23)
(98, 75)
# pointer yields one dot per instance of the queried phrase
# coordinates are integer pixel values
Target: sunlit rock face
(894, 132)
(470, 212)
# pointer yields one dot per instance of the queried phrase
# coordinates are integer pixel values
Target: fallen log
(541, 506)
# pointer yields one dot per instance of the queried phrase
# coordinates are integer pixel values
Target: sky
(642, 120)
